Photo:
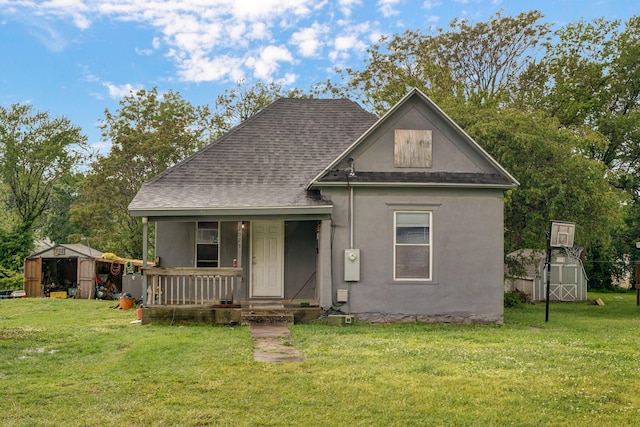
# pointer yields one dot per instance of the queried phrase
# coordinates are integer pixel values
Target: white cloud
(386, 7)
(203, 36)
(346, 6)
(288, 79)
(354, 39)
(120, 91)
(199, 68)
(430, 4)
(144, 52)
(267, 9)
(343, 45)
(346, 42)
(47, 34)
(217, 40)
(267, 63)
(259, 31)
(75, 9)
(310, 40)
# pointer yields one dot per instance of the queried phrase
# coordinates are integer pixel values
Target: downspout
(238, 260)
(351, 226)
(350, 174)
(145, 249)
(350, 217)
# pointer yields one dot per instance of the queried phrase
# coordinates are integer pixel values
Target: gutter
(232, 211)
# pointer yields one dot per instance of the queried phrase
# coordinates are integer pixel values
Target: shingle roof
(266, 161)
(77, 248)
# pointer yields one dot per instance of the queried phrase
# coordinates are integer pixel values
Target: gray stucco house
(317, 200)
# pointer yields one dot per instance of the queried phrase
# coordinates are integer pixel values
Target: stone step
(266, 316)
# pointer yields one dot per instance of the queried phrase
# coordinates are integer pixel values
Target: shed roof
(72, 250)
(530, 259)
(264, 162)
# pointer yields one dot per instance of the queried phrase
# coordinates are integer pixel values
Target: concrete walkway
(273, 343)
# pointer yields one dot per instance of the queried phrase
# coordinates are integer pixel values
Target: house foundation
(244, 315)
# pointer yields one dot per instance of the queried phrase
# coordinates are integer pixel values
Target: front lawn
(81, 363)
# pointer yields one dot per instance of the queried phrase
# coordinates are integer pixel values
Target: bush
(515, 299)
(11, 280)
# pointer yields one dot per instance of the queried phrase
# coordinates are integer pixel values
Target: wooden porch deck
(213, 295)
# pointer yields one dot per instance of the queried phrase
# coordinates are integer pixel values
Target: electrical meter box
(352, 265)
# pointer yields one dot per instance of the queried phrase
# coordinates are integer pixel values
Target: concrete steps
(267, 318)
(267, 314)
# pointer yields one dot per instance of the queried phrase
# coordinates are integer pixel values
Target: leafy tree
(148, 133)
(238, 104)
(16, 243)
(56, 223)
(469, 62)
(37, 152)
(590, 80)
(555, 181)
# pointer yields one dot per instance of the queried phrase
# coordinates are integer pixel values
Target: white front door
(267, 259)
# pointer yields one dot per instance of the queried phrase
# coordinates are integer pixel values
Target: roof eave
(233, 211)
(412, 184)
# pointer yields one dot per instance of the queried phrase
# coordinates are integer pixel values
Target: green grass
(81, 363)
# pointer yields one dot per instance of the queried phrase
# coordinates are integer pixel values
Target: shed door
(564, 282)
(33, 277)
(86, 277)
(267, 259)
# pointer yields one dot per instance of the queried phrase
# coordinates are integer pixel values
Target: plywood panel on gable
(449, 151)
(412, 148)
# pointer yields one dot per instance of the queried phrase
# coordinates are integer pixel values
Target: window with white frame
(412, 245)
(207, 244)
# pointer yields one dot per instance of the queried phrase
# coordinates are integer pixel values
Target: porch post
(325, 288)
(238, 290)
(239, 251)
(145, 249)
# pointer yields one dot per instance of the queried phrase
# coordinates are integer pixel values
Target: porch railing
(193, 286)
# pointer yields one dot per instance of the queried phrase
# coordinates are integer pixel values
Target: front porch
(215, 295)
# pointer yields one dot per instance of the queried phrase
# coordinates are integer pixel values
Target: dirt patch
(273, 343)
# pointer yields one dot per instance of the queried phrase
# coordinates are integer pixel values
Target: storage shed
(568, 278)
(74, 270)
(521, 270)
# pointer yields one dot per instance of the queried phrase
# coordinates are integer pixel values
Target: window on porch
(207, 244)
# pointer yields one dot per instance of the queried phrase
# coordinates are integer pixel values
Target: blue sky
(76, 58)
